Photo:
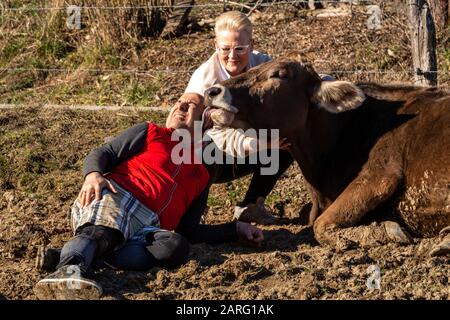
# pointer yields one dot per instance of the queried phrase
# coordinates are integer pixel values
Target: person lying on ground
(137, 209)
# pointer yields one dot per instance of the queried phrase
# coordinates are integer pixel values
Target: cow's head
(279, 94)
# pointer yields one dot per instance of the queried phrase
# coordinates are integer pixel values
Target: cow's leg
(362, 195)
(314, 212)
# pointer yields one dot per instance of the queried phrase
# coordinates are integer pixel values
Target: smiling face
(234, 49)
(187, 109)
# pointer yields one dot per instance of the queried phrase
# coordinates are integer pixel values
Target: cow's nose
(213, 92)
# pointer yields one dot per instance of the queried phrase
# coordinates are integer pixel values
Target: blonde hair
(234, 21)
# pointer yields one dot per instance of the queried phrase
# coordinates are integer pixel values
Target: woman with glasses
(234, 55)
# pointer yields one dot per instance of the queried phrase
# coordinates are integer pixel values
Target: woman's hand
(92, 187)
(249, 233)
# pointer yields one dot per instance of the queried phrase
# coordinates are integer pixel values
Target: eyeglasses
(240, 50)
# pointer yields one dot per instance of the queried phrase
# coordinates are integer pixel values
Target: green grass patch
(39, 162)
(54, 48)
(19, 138)
(89, 57)
(140, 93)
(14, 47)
(105, 56)
(214, 201)
(18, 97)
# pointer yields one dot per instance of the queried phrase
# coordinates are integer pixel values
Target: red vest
(166, 188)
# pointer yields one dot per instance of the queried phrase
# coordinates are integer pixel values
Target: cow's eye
(283, 74)
(279, 74)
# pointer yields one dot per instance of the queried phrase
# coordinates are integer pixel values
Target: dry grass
(120, 40)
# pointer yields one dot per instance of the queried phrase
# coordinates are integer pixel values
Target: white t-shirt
(212, 72)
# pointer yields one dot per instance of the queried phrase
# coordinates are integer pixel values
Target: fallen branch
(258, 3)
(235, 4)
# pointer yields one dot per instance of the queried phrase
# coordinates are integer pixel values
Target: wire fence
(173, 70)
(206, 5)
(186, 71)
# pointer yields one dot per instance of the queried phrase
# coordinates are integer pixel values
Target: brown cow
(361, 148)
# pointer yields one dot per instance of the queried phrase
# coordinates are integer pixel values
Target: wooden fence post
(440, 10)
(423, 42)
(315, 4)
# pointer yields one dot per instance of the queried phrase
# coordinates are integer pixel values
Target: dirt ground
(40, 164)
(42, 150)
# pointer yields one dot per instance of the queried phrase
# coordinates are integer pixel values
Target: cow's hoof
(442, 248)
(396, 233)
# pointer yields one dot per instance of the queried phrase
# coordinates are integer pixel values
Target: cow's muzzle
(218, 96)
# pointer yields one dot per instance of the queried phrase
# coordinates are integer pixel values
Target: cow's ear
(338, 96)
